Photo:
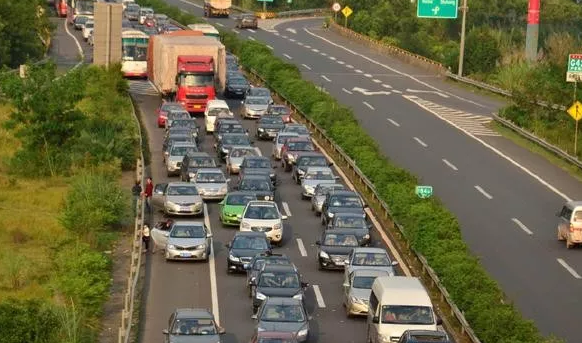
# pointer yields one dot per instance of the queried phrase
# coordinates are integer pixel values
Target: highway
(504, 196)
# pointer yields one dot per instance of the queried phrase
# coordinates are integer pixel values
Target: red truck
(187, 68)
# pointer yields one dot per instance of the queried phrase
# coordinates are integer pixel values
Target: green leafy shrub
(481, 51)
(31, 321)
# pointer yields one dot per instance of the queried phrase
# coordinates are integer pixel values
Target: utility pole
(464, 8)
(533, 30)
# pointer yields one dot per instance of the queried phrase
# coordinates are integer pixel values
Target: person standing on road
(149, 190)
(145, 237)
(136, 192)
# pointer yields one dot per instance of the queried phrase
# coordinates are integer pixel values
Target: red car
(268, 337)
(163, 110)
(291, 149)
(281, 110)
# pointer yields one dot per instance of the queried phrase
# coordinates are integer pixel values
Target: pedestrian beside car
(136, 191)
(145, 237)
(149, 191)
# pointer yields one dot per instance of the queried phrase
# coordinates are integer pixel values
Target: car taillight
(571, 228)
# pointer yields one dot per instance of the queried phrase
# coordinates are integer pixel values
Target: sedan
(253, 164)
(357, 289)
(320, 193)
(236, 87)
(170, 140)
(259, 184)
(186, 240)
(254, 107)
(174, 114)
(305, 160)
(229, 140)
(334, 248)
(193, 162)
(243, 247)
(291, 150)
(284, 314)
(163, 110)
(192, 325)
(299, 129)
(263, 216)
(176, 154)
(80, 21)
(282, 111)
(178, 198)
(369, 258)
(338, 201)
(259, 261)
(211, 183)
(237, 154)
(260, 92)
(314, 176)
(268, 127)
(88, 29)
(233, 206)
(277, 281)
(352, 221)
(246, 21)
(282, 137)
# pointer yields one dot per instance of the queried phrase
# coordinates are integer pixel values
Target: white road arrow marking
(291, 30)
(367, 92)
(434, 92)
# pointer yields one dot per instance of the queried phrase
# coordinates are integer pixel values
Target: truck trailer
(217, 8)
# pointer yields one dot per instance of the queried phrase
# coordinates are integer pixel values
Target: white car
(88, 28)
(143, 13)
(215, 109)
(263, 216)
(127, 2)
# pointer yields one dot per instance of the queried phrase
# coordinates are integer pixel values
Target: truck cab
(195, 82)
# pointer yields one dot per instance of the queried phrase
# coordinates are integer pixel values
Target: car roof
(294, 134)
(181, 183)
(186, 144)
(233, 134)
(217, 103)
(279, 268)
(282, 301)
(243, 147)
(254, 97)
(270, 116)
(249, 234)
(340, 231)
(316, 169)
(347, 214)
(368, 249)
(370, 272)
(241, 193)
(193, 313)
(209, 170)
(261, 203)
(199, 154)
(332, 186)
(299, 139)
(188, 222)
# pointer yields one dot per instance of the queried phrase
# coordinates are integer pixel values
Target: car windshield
(279, 280)
(349, 222)
(363, 282)
(324, 189)
(183, 150)
(188, 231)
(342, 240)
(239, 199)
(300, 129)
(252, 243)
(182, 190)
(319, 175)
(312, 161)
(300, 146)
(280, 110)
(210, 177)
(184, 123)
(81, 20)
(89, 25)
(262, 212)
(283, 313)
(194, 327)
(237, 81)
(172, 115)
(259, 263)
(260, 92)
(257, 101)
(345, 201)
(255, 185)
(238, 153)
(218, 111)
(283, 138)
(257, 163)
(171, 107)
(204, 162)
(407, 315)
(371, 259)
(195, 80)
(226, 127)
(236, 140)
(271, 120)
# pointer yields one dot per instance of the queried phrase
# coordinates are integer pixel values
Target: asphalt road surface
(66, 44)
(504, 196)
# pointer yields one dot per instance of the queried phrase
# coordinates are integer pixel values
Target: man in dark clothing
(149, 190)
(136, 192)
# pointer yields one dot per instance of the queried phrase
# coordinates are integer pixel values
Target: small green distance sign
(424, 192)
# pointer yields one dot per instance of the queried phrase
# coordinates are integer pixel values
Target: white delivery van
(215, 109)
(397, 304)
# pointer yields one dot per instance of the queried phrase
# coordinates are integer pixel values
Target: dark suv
(424, 336)
(341, 201)
(281, 281)
(243, 247)
(194, 161)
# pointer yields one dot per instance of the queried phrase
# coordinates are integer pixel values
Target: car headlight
(233, 258)
(245, 226)
(225, 150)
(272, 175)
(366, 236)
(300, 171)
(224, 189)
(260, 296)
(201, 191)
(323, 254)
(199, 247)
(291, 157)
(308, 188)
(330, 214)
(171, 247)
(277, 226)
(303, 332)
(170, 204)
(260, 129)
(384, 338)
(267, 197)
(298, 296)
(357, 300)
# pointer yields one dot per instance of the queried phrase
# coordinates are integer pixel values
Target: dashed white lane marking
(452, 166)
(314, 50)
(419, 141)
(397, 91)
(286, 209)
(377, 81)
(349, 66)
(220, 24)
(306, 66)
(190, 3)
(341, 62)
(308, 46)
(323, 54)
(318, 296)
(251, 38)
(299, 43)
(522, 226)
(251, 30)
(332, 58)
(289, 57)
(359, 71)
(569, 269)
(292, 40)
(325, 78)
(235, 31)
(369, 106)
(284, 36)
(368, 75)
(386, 86)
(301, 247)
(212, 269)
(347, 91)
(276, 33)
(393, 122)
(270, 47)
(482, 191)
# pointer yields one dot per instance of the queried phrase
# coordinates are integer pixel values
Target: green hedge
(431, 229)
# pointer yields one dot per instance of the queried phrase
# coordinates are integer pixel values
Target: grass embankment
(61, 204)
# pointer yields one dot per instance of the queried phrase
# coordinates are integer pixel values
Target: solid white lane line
(452, 166)
(569, 269)
(276, 33)
(284, 36)
(79, 48)
(301, 247)
(340, 62)
(251, 38)
(368, 75)
(323, 54)
(299, 43)
(270, 47)
(212, 268)
(325, 78)
(393, 122)
(369, 106)
(522, 226)
(220, 24)
(289, 57)
(347, 91)
(235, 31)
(318, 296)
(482, 191)
(377, 81)
(183, 10)
(286, 209)
(419, 141)
(350, 66)
(306, 66)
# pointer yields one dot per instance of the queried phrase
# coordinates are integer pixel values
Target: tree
(481, 51)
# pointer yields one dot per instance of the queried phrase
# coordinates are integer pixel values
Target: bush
(31, 321)
(481, 51)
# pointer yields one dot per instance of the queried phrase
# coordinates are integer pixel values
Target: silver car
(283, 315)
(300, 129)
(176, 114)
(237, 154)
(261, 92)
(369, 258)
(176, 155)
(178, 198)
(186, 240)
(280, 141)
(357, 289)
(314, 176)
(211, 183)
(254, 107)
(263, 216)
(320, 193)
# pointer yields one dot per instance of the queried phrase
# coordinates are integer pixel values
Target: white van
(215, 109)
(397, 304)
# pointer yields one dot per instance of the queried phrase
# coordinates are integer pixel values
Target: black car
(236, 87)
(243, 247)
(223, 121)
(281, 281)
(352, 221)
(334, 248)
(192, 162)
(186, 123)
(269, 126)
(260, 185)
(308, 159)
(338, 201)
(229, 128)
(424, 336)
(177, 130)
(256, 164)
(260, 260)
(229, 140)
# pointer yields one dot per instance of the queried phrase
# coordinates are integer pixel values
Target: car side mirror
(304, 285)
(253, 281)
(346, 262)
(330, 164)
(166, 234)
(336, 177)
(165, 332)
(209, 235)
(366, 206)
(394, 263)
(439, 321)
(246, 266)
(254, 316)
(284, 217)
(222, 202)
(376, 320)
(317, 242)
(346, 284)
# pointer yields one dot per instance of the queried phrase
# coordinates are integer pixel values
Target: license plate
(185, 254)
(185, 208)
(197, 106)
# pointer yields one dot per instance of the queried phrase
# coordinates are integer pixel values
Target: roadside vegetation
(63, 146)
(429, 227)
(25, 31)
(283, 5)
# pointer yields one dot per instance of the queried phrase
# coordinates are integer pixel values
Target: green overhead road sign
(437, 9)
(423, 192)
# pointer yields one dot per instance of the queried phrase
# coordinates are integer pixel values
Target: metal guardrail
(308, 12)
(361, 180)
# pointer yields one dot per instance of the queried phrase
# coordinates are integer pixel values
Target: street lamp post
(464, 8)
